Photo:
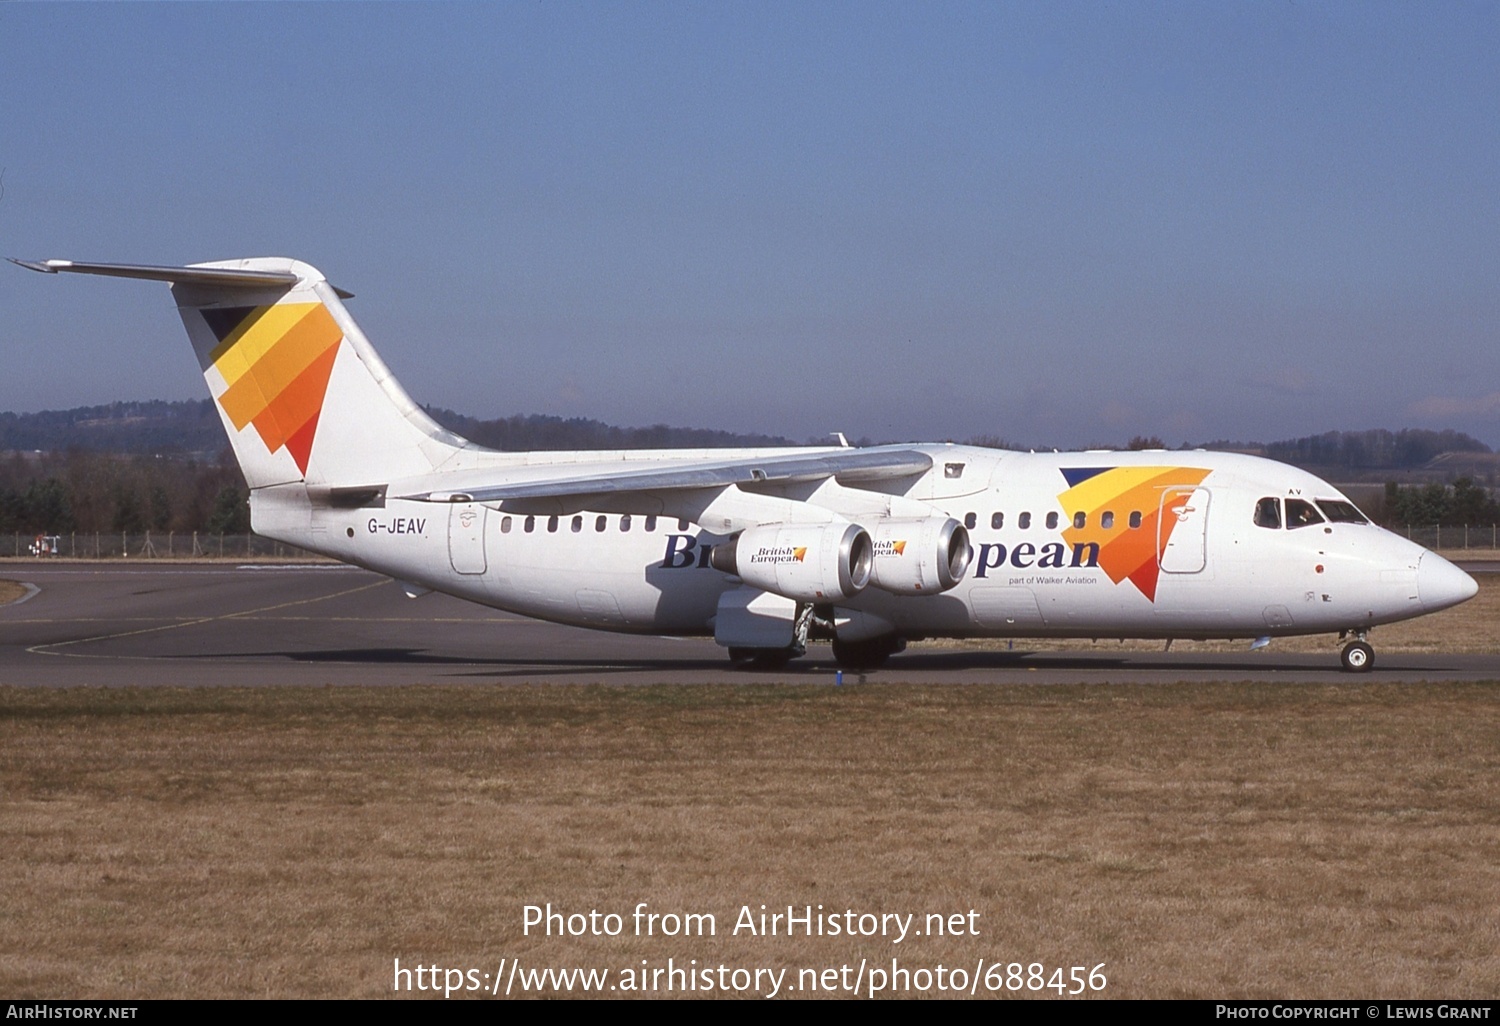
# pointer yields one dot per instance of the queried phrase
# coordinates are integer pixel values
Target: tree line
(87, 492)
(1455, 505)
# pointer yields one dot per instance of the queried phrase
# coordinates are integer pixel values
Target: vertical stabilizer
(302, 393)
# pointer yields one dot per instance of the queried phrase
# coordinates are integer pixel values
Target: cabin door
(1182, 530)
(466, 522)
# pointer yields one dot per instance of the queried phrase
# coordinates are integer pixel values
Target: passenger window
(1340, 512)
(530, 524)
(1024, 521)
(1301, 514)
(1268, 513)
(600, 522)
(970, 520)
(997, 521)
(577, 524)
(1107, 520)
(1051, 521)
(552, 525)
(505, 525)
(1080, 519)
(1135, 518)
(651, 523)
(625, 522)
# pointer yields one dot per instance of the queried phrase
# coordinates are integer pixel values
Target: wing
(849, 466)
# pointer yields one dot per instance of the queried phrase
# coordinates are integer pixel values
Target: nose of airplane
(1440, 584)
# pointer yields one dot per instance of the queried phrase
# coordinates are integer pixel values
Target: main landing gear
(850, 655)
(865, 654)
(1357, 656)
(764, 659)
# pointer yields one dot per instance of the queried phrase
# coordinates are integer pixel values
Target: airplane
(765, 549)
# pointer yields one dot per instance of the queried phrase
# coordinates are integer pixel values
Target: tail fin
(302, 393)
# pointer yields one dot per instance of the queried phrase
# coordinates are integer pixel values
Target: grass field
(1201, 840)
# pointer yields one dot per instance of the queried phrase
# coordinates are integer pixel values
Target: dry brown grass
(10, 591)
(1203, 840)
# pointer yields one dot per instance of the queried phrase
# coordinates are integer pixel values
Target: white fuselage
(1099, 544)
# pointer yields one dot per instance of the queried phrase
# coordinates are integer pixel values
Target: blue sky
(1064, 224)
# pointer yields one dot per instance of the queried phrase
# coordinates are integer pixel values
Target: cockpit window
(1301, 514)
(1268, 513)
(1341, 512)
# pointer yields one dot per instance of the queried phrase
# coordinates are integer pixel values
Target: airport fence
(152, 545)
(1465, 536)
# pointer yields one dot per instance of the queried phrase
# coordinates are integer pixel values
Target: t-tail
(304, 397)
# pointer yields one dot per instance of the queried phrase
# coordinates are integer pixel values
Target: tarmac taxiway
(178, 624)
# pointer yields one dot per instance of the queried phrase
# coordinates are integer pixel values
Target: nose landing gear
(1357, 656)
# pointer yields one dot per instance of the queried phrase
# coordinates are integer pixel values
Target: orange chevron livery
(1103, 494)
(275, 362)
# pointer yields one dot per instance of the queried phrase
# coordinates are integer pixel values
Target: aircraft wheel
(865, 655)
(760, 658)
(1358, 657)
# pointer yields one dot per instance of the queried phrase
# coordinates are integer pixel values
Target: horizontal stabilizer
(220, 277)
(196, 275)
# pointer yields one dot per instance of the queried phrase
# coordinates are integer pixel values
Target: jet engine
(920, 556)
(810, 563)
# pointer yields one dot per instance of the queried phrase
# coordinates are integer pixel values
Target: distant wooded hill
(539, 432)
(192, 429)
(148, 428)
(1364, 450)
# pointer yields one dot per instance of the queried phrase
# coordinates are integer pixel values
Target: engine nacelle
(810, 563)
(921, 556)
